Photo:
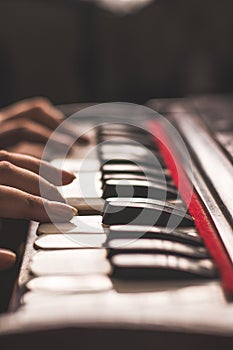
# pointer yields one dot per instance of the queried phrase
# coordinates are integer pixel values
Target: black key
(118, 213)
(119, 125)
(134, 169)
(114, 129)
(136, 188)
(127, 176)
(121, 142)
(185, 235)
(112, 158)
(121, 128)
(126, 200)
(160, 267)
(142, 140)
(131, 134)
(155, 246)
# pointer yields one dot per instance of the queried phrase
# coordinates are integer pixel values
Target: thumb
(7, 259)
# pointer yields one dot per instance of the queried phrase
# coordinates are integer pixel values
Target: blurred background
(111, 50)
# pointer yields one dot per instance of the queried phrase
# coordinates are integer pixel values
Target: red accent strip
(196, 207)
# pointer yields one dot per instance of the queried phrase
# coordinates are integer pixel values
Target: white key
(127, 150)
(79, 224)
(70, 241)
(70, 284)
(87, 206)
(41, 302)
(70, 262)
(77, 165)
(87, 185)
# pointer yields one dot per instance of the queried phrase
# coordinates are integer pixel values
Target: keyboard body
(170, 313)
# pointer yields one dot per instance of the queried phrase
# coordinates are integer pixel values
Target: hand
(21, 187)
(33, 120)
(30, 120)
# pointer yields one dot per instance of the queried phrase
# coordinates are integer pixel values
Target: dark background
(80, 53)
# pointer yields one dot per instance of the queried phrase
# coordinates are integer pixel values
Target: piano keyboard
(133, 247)
(126, 235)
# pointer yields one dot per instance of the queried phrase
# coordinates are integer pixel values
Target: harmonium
(147, 262)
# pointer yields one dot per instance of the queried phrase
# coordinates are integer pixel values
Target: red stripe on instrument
(195, 206)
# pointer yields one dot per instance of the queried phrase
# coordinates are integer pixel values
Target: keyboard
(147, 261)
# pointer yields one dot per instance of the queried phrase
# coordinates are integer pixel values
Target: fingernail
(7, 259)
(67, 177)
(59, 212)
(75, 211)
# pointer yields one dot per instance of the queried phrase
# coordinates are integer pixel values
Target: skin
(7, 259)
(20, 178)
(20, 184)
(33, 121)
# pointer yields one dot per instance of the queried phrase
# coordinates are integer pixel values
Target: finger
(7, 259)
(69, 129)
(30, 149)
(27, 206)
(37, 150)
(55, 176)
(39, 110)
(25, 180)
(13, 132)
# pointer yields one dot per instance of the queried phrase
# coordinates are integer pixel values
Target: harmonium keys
(137, 203)
(134, 252)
